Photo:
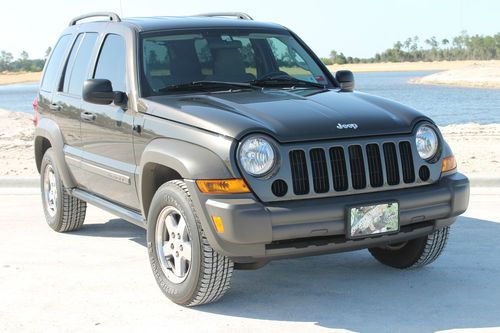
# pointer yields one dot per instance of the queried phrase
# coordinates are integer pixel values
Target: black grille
(319, 170)
(391, 163)
(358, 176)
(352, 167)
(374, 165)
(407, 162)
(299, 172)
(337, 159)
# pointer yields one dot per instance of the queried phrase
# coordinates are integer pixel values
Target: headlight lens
(257, 156)
(427, 142)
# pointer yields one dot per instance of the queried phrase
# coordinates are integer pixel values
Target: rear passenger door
(66, 103)
(109, 161)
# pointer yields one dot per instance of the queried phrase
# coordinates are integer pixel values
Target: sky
(356, 28)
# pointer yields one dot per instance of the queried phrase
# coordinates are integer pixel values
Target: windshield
(235, 56)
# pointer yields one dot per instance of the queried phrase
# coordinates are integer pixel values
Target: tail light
(35, 109)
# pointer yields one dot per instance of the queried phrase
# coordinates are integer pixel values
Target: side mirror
(346, 80)
(100, 91)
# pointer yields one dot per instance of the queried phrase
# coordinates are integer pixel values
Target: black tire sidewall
(404, 257)
(55, 222)
(172, 195)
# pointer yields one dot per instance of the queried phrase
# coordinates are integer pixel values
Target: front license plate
(371, 220)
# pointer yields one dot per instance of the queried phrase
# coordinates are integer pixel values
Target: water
(446, 105)
(18, 97)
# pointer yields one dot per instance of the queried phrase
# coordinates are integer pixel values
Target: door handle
(54, 107)
(87, 116)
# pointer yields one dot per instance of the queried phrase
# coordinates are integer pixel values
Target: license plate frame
(379, 219)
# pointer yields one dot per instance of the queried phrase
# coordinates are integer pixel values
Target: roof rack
(241, 16)
(112, 17)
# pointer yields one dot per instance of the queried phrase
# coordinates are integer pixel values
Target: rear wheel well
(41, 146)
(153, 176)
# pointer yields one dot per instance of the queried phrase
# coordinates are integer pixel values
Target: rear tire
(176, 238)
(414, 253)
(63, 212)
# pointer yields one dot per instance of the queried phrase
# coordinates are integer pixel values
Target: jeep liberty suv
(232, 144)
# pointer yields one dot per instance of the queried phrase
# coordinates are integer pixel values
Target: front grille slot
(407, 162)
(319, 170)
(299, 172)
(374, 165)
(391, 163)
(358, 176)
(337, 160)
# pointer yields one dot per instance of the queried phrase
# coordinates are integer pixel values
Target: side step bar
(110, 207)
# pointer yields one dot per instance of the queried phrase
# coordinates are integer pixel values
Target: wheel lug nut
(179, 236)
(172, 246)
(176, 253)
(173, 235)
(180, 247)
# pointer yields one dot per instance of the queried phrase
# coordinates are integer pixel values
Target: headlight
(427, 142)
(257, 156)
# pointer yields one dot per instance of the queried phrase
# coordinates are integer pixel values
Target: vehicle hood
(288, 116)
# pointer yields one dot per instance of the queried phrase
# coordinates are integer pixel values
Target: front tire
(414, 253)
(63, 212)
(186, 268)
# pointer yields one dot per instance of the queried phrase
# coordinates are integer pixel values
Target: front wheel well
(153, 176)
(41, 146)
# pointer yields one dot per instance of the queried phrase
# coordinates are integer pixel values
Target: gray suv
(232, 144)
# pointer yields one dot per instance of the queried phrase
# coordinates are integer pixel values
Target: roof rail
(239, 15)
(112, 16)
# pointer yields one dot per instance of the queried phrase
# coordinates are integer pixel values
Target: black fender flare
(48, 129)
(188, 160)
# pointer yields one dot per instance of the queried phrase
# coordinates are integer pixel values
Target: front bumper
(256, 231)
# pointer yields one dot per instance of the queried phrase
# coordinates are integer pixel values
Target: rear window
(54, 63)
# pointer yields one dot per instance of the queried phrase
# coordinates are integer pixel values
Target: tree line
(461, 47)
(23, 63)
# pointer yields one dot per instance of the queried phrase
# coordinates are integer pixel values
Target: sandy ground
(407, 66)
(98, 279)
(477, 75)
(16, 144)
(11, 78)
(475, 146)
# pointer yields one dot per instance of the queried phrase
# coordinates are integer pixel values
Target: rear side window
(50, 76)
(78, 63)
(111, 63)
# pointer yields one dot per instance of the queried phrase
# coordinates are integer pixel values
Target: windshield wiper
(286, 81)
(207, 85)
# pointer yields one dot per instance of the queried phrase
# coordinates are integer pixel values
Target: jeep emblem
(344, 126)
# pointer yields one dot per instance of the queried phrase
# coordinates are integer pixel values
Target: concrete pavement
(99, 279)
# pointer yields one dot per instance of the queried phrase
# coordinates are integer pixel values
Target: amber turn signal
(217, 220)
(222, 186)
(449, 163)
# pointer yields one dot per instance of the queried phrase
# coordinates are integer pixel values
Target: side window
(54, 63)
(76, 72)
(111, 63)
(70, 62)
